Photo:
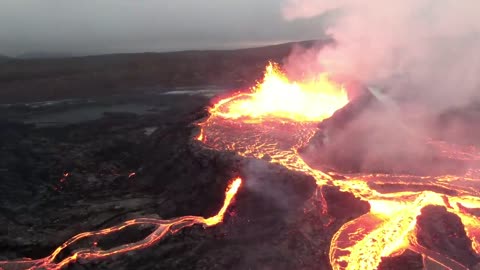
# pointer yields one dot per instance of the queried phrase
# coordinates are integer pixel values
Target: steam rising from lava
(390, 226)
(423, 54)
(426, 50)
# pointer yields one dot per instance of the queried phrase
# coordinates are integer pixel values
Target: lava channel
(162, 228)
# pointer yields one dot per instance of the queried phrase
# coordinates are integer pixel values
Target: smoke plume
(425, 50)
(423, 54)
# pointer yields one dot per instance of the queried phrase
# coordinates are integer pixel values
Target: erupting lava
(88, 241)
(278, 117)
(277, 97)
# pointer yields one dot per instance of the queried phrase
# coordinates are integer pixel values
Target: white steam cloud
(428, 50)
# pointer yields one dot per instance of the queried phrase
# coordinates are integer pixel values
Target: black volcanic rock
(372, 136)
(345, 115)
(343, 204)
(59, 181)
(443, 232)
(408, 260)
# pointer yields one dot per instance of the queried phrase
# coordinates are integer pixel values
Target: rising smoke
(423, 53)
(426, 50)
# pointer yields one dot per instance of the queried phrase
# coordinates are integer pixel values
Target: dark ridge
(106, 75)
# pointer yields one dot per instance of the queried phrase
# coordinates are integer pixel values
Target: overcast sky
(109, 26)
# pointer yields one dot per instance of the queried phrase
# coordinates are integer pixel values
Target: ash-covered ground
(136, 157)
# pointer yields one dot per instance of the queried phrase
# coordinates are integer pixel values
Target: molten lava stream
(162, 228)
(277, 117)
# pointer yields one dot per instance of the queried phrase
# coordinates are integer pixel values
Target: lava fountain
(278, 97)
(278, 117)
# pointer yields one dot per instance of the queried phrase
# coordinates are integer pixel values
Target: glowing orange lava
(93, 251)
(278, 117)
(276, 96)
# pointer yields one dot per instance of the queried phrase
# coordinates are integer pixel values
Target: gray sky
(109, 26)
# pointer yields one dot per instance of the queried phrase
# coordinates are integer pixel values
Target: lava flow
(273, 121)
(90, 250)
(277, 117)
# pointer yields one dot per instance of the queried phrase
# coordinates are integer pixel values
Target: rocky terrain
(58, 179)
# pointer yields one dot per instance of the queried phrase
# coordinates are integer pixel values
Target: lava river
(278, 117)
(84, 246)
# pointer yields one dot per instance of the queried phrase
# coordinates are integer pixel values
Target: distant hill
(102, 75)
(4, 58)
(43, 55)
(54, 55)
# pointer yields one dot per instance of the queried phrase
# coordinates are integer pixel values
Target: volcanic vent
(264, 125)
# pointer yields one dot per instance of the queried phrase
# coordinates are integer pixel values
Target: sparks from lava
(278, 117)
(161, 229)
